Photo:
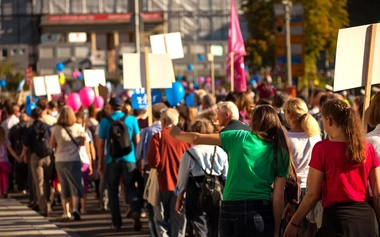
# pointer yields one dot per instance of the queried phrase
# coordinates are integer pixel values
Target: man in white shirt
(12, 119)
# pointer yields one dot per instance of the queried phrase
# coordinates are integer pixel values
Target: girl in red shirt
(340, 168)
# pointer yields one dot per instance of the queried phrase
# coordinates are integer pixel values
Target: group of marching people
(264, 165)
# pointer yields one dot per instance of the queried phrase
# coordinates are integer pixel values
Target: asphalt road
(95, 223)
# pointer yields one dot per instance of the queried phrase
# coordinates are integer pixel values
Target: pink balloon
(73, 100)
(129, 93)
(185, 84)
(201, 80)
(57, 97)
(99, 102)
(208, 80)
(87, 96)
(75, 74)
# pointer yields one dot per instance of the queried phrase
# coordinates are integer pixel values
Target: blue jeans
(246, 218)
(129, 174)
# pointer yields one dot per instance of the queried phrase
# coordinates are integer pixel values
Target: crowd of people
(257, 163)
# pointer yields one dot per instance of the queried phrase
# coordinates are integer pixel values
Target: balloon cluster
(77, 74)
(85, 97)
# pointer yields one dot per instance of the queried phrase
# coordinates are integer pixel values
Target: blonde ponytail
(310, 125)
(297, 108)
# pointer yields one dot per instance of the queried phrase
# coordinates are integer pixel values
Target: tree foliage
(322, 20)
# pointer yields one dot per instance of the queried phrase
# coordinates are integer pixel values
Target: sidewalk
(17, 219)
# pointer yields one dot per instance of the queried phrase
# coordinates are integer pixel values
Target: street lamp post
(287, 5)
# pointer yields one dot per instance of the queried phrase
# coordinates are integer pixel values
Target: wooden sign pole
(232, 73)
(47, 90)
(148, 90)
(368, 74)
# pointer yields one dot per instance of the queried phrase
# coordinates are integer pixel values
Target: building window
(46, 71)
(4, 53)
(82, 52)
(63, 52)
(46, 52)
(197, 49)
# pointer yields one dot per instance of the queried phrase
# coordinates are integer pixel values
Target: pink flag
(236, 45)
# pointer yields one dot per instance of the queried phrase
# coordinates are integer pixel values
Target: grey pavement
(17, 219)
(95, 223)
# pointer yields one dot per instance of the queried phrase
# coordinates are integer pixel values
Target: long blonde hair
(297, 108)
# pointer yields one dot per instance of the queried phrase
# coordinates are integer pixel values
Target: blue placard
(156, 96)
(139, 101)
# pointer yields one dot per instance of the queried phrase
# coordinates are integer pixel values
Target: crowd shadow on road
(95, 223)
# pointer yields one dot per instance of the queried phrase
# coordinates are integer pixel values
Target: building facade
(95, 33)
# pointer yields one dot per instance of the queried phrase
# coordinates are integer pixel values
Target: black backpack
(211, 188)
(41, 140)
(119, 142)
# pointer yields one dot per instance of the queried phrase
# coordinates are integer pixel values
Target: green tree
(322, 20)
(8, 72)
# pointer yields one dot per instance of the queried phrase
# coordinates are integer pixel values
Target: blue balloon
(201, 57)
(175, 95)
(60, 67)
(190, 67)
(189, 100)
(246, 68)
(252, 82)
(179, 78)
(195, 85)
(80, 77)
(29, 108)
(3, 83)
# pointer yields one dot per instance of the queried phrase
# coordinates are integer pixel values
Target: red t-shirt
(343, 182)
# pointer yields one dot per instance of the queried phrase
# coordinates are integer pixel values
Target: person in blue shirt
(124, 166)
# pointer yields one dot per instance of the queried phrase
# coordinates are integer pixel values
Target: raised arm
(195, 138)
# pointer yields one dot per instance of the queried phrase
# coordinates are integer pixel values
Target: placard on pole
(357, 53)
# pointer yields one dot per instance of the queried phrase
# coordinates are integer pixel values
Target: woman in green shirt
(248, 207)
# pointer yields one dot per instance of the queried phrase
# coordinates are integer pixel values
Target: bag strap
(124, 117)
(196, 161)
(213, 161)
(72, 139)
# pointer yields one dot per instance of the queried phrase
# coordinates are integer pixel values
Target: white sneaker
(66, 216)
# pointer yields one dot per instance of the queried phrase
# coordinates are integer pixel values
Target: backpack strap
(213, 161)
(72, 139)
(195, 160)
(124, 117)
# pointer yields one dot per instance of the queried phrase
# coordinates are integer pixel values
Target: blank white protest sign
(46, 85)
(39, 86)
(350, 63)
(94, 77)
(167, 43)
(53, 86)
(160, 70)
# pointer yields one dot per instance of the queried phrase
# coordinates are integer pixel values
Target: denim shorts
(246, 218)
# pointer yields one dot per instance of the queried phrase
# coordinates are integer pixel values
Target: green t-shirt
(251, 166)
